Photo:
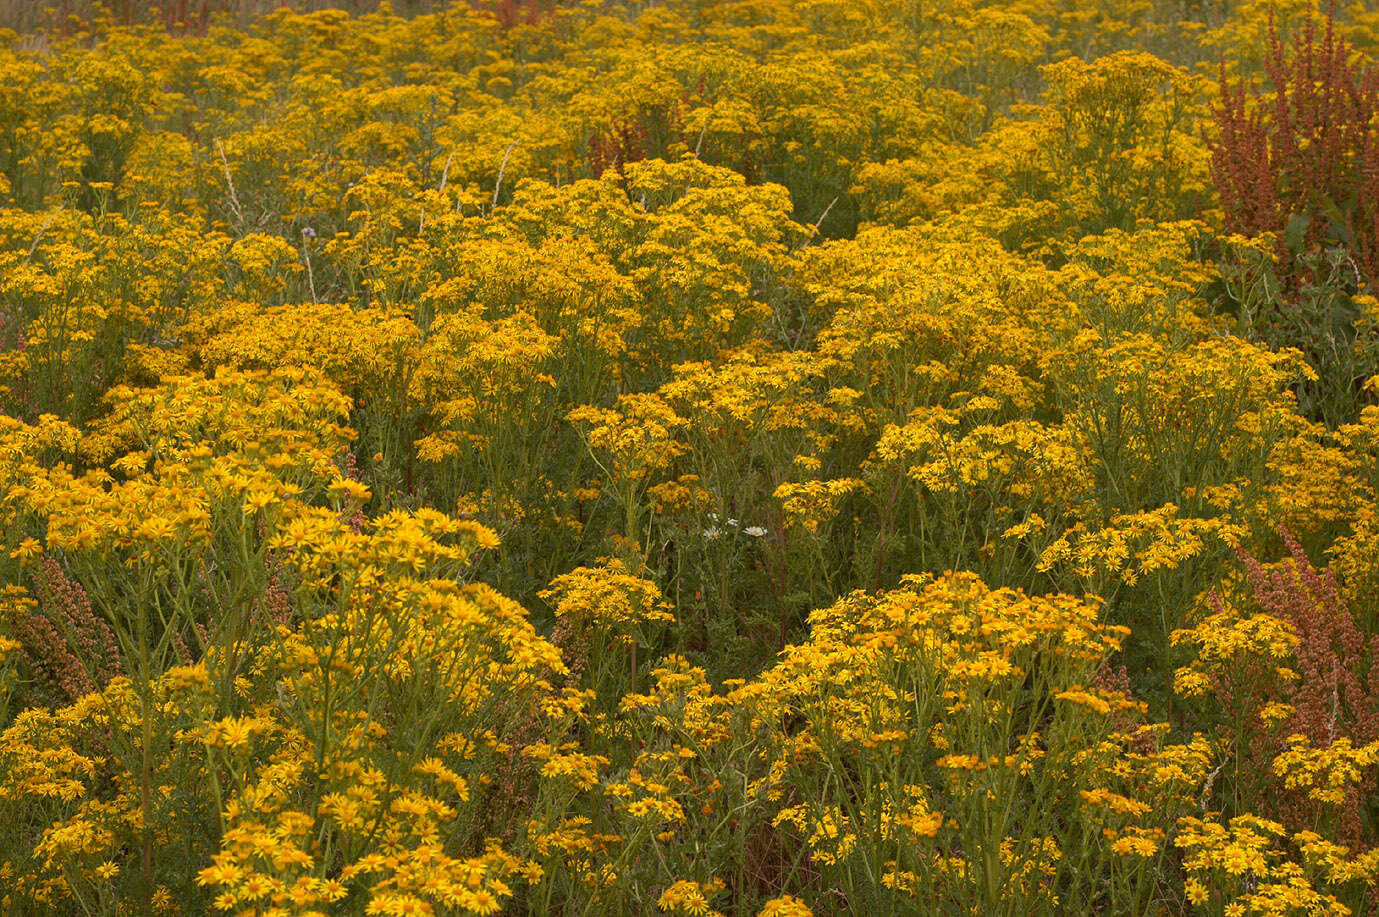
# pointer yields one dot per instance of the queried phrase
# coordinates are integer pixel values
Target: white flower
(755, 531)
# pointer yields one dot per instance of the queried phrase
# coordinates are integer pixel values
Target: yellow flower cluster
(741, 457)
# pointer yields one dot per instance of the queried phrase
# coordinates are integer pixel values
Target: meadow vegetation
(740, 457)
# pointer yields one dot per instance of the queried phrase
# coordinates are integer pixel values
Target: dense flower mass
(706, 457)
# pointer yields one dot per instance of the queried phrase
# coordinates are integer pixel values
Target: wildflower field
(739, 457)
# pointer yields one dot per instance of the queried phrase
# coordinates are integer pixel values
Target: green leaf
(1339, 229)
(1295, 231)
(1344, 314)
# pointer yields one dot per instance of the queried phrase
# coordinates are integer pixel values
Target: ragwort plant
(696, 457)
